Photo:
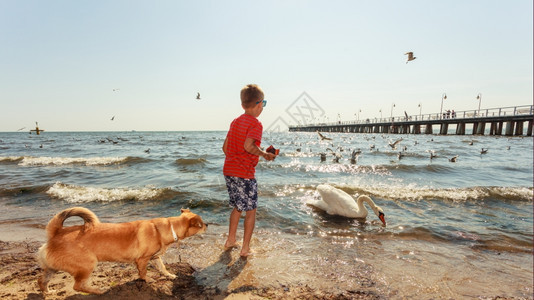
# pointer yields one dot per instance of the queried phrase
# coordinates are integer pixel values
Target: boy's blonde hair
(251, 94)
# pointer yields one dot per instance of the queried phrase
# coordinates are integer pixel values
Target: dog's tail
(56, 224)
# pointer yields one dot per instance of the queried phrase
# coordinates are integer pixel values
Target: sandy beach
(19, 272)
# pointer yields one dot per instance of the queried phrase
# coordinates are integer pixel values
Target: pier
(508, 121)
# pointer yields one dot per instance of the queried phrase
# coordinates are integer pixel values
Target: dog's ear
(196, 221)
(184, 210)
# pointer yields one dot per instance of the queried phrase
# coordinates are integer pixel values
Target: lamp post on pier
(420, 108)
(380, 115)
(392, 105)
(479, 98)
(443, 97)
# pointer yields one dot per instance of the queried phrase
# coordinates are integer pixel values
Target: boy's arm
(250, 147)
(225, 145)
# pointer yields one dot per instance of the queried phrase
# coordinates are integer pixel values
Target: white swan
(337, 202)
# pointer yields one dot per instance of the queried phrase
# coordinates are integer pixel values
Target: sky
(73, 65)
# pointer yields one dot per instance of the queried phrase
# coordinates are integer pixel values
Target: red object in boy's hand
(272, 150)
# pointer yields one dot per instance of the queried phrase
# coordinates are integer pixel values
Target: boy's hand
(268, 156)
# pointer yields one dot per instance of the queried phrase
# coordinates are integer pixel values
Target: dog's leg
(141, 266)
(161, 267)
(44, 279)
(82, 284)
(81, 279)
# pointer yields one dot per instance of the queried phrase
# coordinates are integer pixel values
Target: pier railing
(466, 114)
(513, 116)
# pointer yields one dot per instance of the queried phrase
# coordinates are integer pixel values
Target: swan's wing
(338, 202)
(319, 203)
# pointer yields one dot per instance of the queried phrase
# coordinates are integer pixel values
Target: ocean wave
(61, 161)
(320, 168)
(191, 161)
(83, 194)
(16, 191)
(448, 194)
(10, 159)
(432, 168)
(414, 193)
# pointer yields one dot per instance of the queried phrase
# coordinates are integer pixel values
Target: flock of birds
(116, 90)
(121, 139)
(394, 145)
(410, 58)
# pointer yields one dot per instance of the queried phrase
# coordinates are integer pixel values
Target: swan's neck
(366, 199)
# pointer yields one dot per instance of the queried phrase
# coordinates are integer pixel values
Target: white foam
(452, 194)
(82, 194)
(60, 161)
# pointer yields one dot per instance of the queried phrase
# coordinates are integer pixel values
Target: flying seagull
(113, 118)
(354, 156)
(198, 96)
(323, 137)
(410, 56)
(394, 145)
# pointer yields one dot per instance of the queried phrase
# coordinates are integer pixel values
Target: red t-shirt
(238, 162)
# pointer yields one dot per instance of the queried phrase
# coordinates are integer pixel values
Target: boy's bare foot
(229, 245)
(246, 253)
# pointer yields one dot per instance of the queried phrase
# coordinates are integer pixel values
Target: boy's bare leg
(232, 229)
(250, 221)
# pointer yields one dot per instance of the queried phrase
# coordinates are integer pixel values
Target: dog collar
(174, 234)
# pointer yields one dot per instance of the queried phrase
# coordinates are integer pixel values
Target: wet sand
(19, 272)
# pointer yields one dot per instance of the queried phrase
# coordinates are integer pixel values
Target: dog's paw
(49, 292)
(171, 276)
(149, 280)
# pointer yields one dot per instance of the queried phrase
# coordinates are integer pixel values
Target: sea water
(460, 229)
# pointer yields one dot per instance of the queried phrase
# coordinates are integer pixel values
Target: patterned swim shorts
(243, 193)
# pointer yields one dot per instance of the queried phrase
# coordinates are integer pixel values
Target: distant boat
(37, 130)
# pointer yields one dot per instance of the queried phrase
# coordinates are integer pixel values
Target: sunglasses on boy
(264, 102)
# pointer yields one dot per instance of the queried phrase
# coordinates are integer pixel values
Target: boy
(242, 150)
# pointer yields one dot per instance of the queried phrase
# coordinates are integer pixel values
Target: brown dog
(77, 249)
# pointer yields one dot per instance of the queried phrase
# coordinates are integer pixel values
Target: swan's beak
(381, 217)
